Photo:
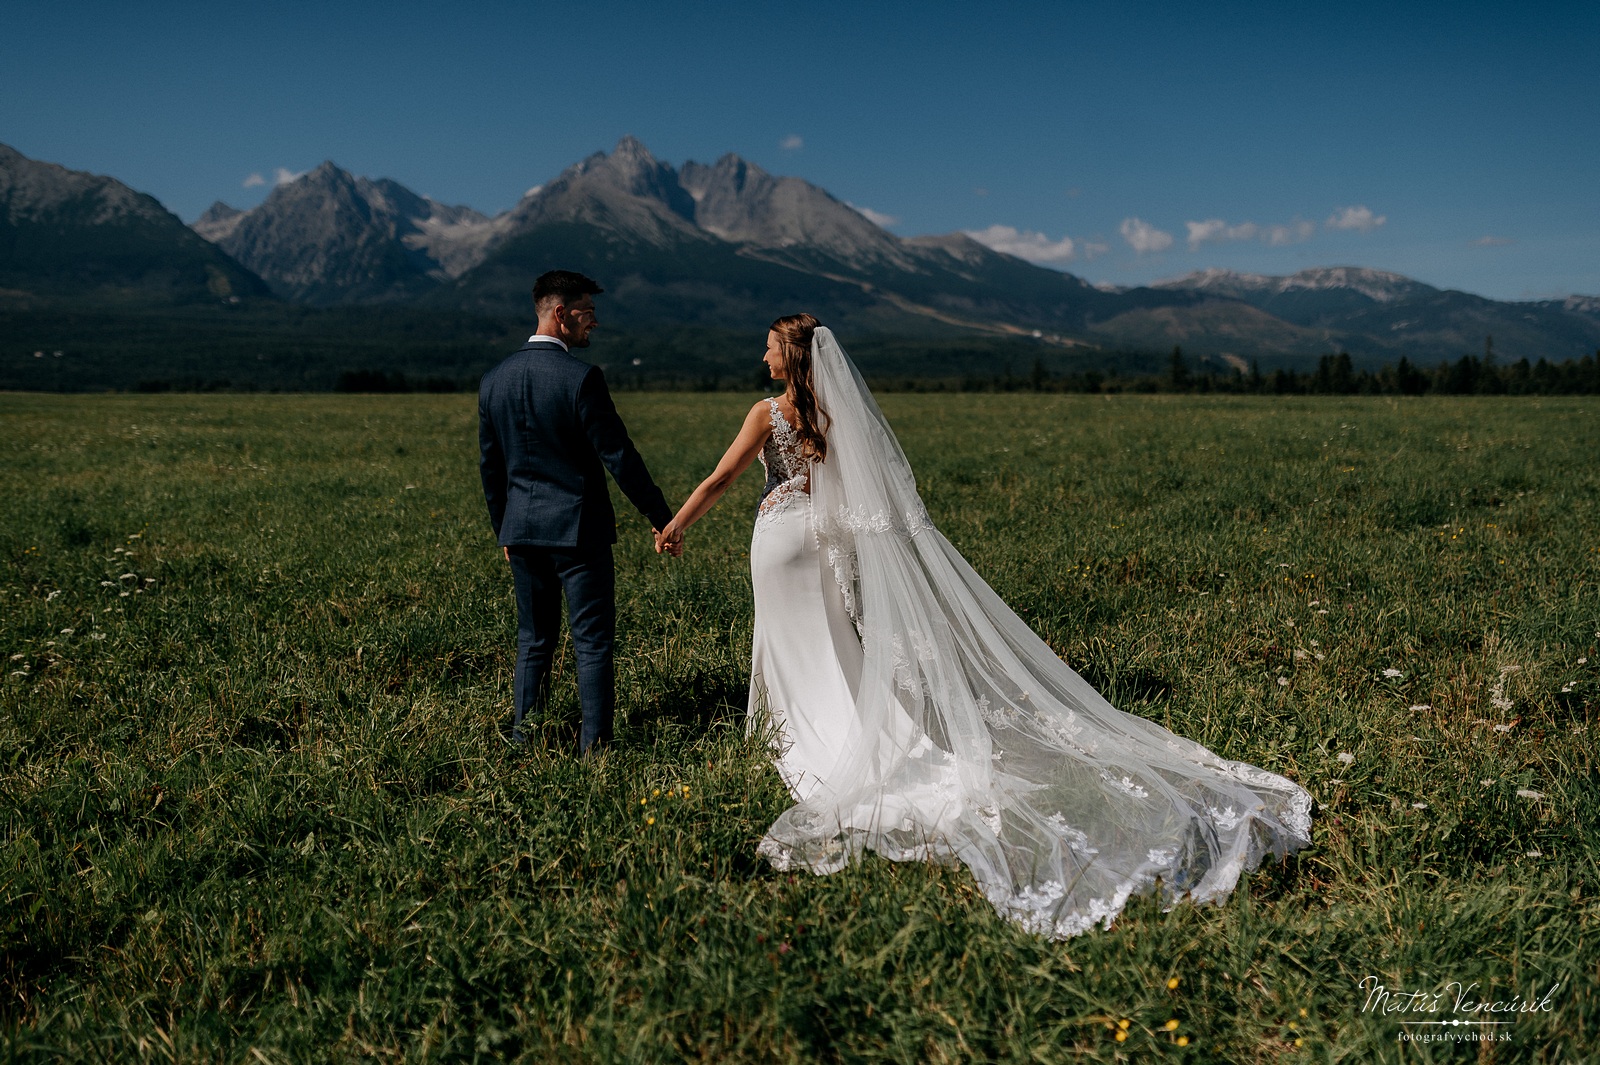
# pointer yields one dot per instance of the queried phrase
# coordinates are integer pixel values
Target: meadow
(256, 807)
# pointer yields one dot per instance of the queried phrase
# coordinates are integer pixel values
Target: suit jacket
(547, 431)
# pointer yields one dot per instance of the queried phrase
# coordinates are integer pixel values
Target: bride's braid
(794, 335)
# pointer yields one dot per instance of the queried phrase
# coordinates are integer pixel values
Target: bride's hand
(670, 540)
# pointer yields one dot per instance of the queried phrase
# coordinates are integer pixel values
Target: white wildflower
(1486, 781)
(1419, 806)
(1529, 793)
(1502, 728)
(1393, 674)
(67, 632)
(1497, 692)
(1283, 682)
(1421, 706)
(1583, 661)
(1346, 757)
(1534, 854)
(127, 576)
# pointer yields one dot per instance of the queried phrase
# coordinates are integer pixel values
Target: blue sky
(1455, 143)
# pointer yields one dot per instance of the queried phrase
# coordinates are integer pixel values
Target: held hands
(670, 540)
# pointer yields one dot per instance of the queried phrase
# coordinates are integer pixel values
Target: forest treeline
(1335, 375)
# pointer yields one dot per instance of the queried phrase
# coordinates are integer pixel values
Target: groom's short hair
(559, 287)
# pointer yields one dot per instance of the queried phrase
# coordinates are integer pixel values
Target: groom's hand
(507, 551)
(670, 542)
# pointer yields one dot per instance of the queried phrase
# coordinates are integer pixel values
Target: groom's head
(564, 301)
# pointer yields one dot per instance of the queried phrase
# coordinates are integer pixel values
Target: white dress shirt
(544, 336)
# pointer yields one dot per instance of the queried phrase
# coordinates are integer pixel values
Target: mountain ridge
(724, 245)
(69, 233)
(717, 243)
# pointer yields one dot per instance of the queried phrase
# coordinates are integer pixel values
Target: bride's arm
(743, 451)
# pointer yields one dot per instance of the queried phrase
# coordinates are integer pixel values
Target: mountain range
(65, 233)
(725, 245)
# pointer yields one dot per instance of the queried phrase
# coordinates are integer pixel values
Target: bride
(914, 714)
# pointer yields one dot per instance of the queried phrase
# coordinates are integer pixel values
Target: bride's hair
(794, 339)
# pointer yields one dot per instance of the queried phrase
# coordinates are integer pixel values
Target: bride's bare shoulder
(759, 420)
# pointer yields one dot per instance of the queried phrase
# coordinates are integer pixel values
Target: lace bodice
(788, 470)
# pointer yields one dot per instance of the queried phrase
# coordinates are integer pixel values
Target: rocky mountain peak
(219, 212)
(72, 231)
(218, 221)
(1379, 285)
(326, 172)
(34, 191)
(739, 201)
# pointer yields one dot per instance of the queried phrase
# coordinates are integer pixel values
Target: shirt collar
(545, 338)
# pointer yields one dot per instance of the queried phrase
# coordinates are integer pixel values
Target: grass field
(255, 807)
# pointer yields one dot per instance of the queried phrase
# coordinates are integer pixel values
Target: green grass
(255, 807)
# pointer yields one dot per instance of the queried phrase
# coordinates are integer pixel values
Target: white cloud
(1359, 218)
(1092, 248)
(792, 143)
(1215, 230)
(1492, 242)
(253, 180)
(1025, 244)
(1143, 237)
(283, 175)
(877, 218)
(1293, 233)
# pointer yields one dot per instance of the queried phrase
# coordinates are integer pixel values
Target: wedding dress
(914, 714)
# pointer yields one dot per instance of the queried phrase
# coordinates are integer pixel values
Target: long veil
(973, 741)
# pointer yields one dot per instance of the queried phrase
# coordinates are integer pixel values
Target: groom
(546, 426)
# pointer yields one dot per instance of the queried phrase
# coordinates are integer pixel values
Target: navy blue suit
(547, 432)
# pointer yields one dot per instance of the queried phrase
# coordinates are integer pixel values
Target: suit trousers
(587, 576)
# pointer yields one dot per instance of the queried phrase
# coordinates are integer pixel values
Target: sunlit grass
(255, 806)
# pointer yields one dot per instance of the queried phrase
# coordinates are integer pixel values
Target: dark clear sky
(1455, 143)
